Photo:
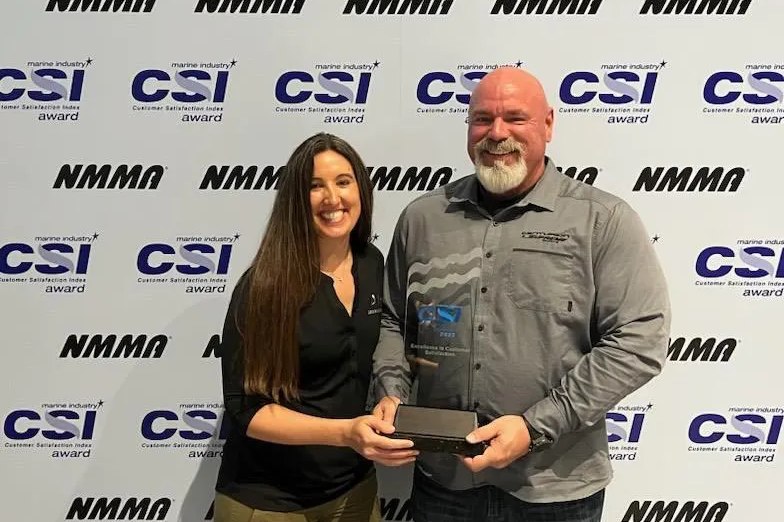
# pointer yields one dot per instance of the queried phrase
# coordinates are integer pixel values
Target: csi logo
(439, 87)
(442, 319)
(745, 428)
(198, 424)
(617, 87)
(57, 424)
(750, 262)
(622, 427)
(41, 85)
(328, 87)
(184, 86)
(755, 88)
(439, 314)
(45, 258)
(200, 258)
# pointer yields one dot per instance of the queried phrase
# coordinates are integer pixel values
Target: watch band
(539, 441)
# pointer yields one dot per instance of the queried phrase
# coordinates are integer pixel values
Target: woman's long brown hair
(285, 272)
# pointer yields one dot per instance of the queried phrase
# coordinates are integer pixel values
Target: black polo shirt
(336, 353)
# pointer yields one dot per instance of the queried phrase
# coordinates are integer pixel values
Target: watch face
(540, 443)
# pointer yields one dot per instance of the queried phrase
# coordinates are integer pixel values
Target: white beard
(500, 178)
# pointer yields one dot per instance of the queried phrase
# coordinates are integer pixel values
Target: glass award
(437, 334)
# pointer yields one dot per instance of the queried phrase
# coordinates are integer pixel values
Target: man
(536, 301)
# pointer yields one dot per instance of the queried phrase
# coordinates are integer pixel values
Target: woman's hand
(366, 436)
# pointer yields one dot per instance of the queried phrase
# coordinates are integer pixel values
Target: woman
(298, 339)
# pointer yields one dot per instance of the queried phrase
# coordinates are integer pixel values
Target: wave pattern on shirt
(441, 272)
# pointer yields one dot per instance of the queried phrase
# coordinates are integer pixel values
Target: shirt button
(489, 254)
(495, 223)
(484, 290)
(478, 365)
(480, 327)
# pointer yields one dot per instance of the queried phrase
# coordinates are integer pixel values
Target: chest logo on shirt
(375, 305)
(547, 237)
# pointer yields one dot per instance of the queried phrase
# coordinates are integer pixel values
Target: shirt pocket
(539, 278)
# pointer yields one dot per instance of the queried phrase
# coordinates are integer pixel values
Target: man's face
(509, 127)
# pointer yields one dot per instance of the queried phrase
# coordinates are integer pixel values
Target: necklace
(332, 274)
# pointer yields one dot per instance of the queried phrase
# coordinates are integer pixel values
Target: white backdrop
(88, 90)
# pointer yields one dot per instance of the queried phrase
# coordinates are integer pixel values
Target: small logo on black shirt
(374, 307)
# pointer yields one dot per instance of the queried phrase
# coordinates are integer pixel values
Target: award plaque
(437, 429)
(437, 340)
(437, 336)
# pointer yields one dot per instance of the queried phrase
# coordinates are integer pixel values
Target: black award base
(437, 430)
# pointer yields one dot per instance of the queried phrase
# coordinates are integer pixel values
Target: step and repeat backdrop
(142, 142)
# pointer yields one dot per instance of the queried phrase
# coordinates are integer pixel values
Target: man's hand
(509, 440)
(421, 361)
(386, 409)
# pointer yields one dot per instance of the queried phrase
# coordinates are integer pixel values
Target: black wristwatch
(539, 441)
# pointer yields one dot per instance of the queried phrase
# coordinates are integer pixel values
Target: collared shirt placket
(483, 320)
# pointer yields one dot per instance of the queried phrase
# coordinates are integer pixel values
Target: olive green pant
(360, 504)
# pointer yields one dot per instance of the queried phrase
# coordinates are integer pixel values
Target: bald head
(511, 78)
(510, 123)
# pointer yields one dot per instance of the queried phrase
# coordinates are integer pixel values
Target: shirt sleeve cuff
(545, 417)
(391, 387)
(242, 415)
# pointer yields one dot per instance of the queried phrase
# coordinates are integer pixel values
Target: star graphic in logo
(376, 64)
(233, 63)
(662, 64)
(518, 63)
(649, 406)
(89, 61)
(655, 239)
(100, 403)
(95, 235)
(374, 237)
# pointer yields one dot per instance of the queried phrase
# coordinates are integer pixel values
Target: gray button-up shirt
(555, 308)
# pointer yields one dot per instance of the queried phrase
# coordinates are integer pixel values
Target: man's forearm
(391, 370)
(602, 378)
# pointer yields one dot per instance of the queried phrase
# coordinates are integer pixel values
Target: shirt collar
(543, 194)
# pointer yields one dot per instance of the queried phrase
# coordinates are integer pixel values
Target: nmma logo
(579, 7)
(719, 7)
(662, 511)
(585, 174)
(227, 177)
(398, 7)
(213, 348)
(395, 509)
(124, 6)
(117, 508)
(414, 178)
(114, 346)
(699, 349)
(92, 176)
(250, 6)
(689, 179)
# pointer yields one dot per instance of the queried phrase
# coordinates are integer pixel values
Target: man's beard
(500, 177)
